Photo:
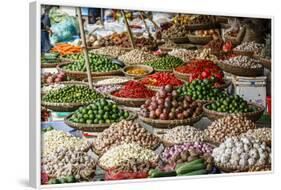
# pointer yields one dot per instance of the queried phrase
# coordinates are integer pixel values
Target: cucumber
(196, 172)
(189, 168)
(190, 163)
(163, 174)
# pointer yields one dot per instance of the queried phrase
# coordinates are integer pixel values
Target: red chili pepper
(134, 89)
(161, 79)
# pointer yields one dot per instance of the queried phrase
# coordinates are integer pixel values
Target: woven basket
(178, 39)
(157, 88)
(199, 39)
(79, 75)
(236, 40)
(240, 71)
(230, 169)
(54, 65)
(167, 124)
(182, 76)
(130, 102)
(253, 116)
(147, 68)
(245, 53)
(265, 62)
(65, 107)
(93, 127)
(96, 79)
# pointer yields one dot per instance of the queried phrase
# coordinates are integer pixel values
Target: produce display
(137, 56)
(177, 104)
(262, 134)
(65, 49)
(50, 78)
(107, 89)
(98, 63)
(201, 69)
(243, 61)
(46, 89)
(184, 54)
(124, 132)
(50, 58)
(117, 39)
(72, 94)
(175, 31)
(249, 46)
(161, 79)
(130, 169)
(183, 134)
(136, 71)
(186, 152)
(117, 155)
(196, 167)
(210, 32)
(134, 89)
(229, 126)
(53, 140)
(242, 153)
(165, 63)
(113, 80)
(99, 112)
(230, 104)
(202, 90)
(111, 51)
(168, 105)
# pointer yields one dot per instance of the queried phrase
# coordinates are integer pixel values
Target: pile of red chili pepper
(134, 89)
(112, 175)
(201, 69)
(161, 79)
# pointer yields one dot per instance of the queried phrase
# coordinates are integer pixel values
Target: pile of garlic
(116, 155)
(242, 152)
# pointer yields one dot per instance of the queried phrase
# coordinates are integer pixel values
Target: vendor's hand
(50, 32)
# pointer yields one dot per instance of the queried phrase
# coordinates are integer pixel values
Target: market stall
(165, 95)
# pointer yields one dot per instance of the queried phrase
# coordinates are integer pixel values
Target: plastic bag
(64, 27)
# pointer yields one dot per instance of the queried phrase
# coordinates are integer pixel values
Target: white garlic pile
(116, 155)
(54, 140)
(184, 54)
(137, 56)
(242, 152)
(183, 134)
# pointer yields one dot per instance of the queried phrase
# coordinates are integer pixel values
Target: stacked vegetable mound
(168, 105)
(161, 79)
(100, 111)
(201, 69)
(98, 63)
(201, 90)
(230, 104)
(124, 132)
(165, 63)
(134, 89)
(72, 94)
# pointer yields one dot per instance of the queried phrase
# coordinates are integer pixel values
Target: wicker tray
(93, 127)
(130, 102)
(245, 53)
(65, 107)
(147, 68)
(157, 88)
(230, 169)
(254, 116)
(199, 39)
(79, 75)
(240, 71)
(178, 39)
(96, 79)
(265, 62)
(166, 124)
(182, 76)
(54, 65)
